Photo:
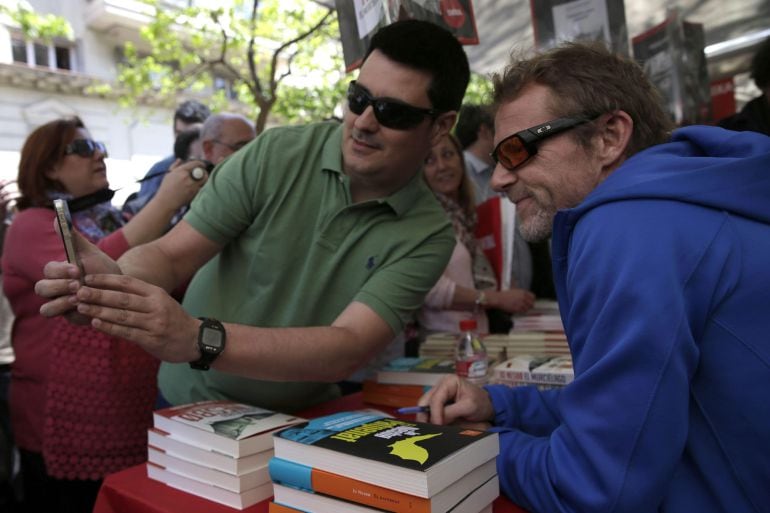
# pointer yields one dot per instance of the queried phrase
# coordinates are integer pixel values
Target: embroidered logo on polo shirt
(370, 263)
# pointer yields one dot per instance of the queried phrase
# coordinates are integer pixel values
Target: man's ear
(612, 139)
(442, 125)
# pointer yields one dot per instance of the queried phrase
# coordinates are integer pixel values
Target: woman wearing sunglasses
(80, 401)
(468, 286)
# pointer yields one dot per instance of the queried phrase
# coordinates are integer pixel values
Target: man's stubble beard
(538, 227)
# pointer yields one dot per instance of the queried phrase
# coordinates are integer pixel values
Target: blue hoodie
(663, 279)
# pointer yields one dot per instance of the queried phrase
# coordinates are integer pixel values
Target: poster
(360, 19)
(672, 56)
(556, 21)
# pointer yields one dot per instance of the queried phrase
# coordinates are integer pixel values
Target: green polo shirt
(297, 251)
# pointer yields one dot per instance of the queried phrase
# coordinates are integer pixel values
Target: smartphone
(65, 228)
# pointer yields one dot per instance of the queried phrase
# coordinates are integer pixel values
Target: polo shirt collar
(331, 155)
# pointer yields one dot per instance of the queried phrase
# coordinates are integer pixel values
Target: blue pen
(413, 409)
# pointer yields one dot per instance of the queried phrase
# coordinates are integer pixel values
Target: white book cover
(208, 475)
(223, 426)
(210, 492)
(218, 461)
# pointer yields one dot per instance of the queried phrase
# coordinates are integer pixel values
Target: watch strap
(209, 352)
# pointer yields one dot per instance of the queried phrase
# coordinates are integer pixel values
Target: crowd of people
(308, 249)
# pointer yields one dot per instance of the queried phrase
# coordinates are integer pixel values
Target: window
(56, 55)
(19, 47)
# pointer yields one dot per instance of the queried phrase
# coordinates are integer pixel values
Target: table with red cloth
(131, 491)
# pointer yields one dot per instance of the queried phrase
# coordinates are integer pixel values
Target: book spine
(306, 478)
(402, 390)
(395, 401)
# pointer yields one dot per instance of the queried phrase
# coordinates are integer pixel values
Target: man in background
(475, 129)
(223, 134)
(189, 114)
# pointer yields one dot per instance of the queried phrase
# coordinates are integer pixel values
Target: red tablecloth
(131, 491)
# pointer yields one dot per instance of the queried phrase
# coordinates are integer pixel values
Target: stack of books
(543, 371)
(394, 396)
(401, 382)
(218, 450)
(540, 331)
(410, 370)
(363, 462)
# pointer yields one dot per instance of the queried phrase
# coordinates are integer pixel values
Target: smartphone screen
(65, 228)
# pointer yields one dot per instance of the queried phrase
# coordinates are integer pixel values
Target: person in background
(476, 132)
(80, 400)
(217, 138)
(223, 134)
(187, 145)
(467, 287)
(310, 247)
(755, 115)
(189, 114)
(8, 453)
(661, 244)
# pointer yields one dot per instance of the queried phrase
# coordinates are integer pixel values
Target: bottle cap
(468, 325)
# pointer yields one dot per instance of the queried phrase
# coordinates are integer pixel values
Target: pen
(413, 409)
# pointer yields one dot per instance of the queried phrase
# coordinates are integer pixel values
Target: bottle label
(472, 368)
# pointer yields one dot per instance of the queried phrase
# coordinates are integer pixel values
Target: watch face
(212, 338)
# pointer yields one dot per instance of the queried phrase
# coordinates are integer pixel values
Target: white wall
(135, 139)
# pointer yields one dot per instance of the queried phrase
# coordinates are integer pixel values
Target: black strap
(89, 200)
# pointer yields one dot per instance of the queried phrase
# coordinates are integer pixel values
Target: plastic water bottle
(470, 354)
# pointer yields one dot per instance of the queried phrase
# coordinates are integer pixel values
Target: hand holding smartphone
(65, 228)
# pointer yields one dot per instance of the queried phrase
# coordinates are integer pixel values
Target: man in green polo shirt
(312, 245)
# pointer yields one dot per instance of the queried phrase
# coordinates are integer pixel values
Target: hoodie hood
(703, 165)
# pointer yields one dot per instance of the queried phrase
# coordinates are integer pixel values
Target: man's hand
(62, 279)
(127, 307)
(455, 401)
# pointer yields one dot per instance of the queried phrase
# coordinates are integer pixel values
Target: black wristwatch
(211, 342)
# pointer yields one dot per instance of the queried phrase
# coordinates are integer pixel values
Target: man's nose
(501, 178)
(367, 120)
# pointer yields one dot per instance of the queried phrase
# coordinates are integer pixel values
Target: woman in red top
(80, 401)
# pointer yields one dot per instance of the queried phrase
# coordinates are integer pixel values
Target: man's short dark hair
(470, 118)
(191, 111)
(760, 65)
(425, 46)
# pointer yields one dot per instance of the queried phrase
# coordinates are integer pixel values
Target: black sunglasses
(389, 113)
(85, 148)
(516, 149)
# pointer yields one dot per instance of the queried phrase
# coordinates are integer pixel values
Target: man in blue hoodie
(661, 253)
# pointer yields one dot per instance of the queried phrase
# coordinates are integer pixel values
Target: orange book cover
(334, 485)
(280, 508)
